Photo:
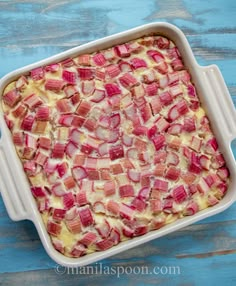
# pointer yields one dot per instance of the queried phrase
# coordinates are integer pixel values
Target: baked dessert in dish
(114, 144)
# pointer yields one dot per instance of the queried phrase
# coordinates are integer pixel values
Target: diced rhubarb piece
(144, 193)
(58, 150)
(160, 185)
(69, 76)
(44, 143)
(68, 200)
(18, 138)
(116, 169)
(89, 238)
(151, 89)
(127, 231)
(162, 43)
(75, 98)
(19, 111)
(217, 161)
(78, 250)
(223, 173)
(172, 159)
(104, 244)
(122, 51)
(88, 87)
(84, 60)
(212, 200)
(138, 204)
(105, 175)
(125, 66)
(177, 64)
(133, 175)
(86, 216)
(138, 63)
(116, 152)
(175, 129)
(138, 91)
(146, 112)
(86, 149)
(29, 167)
(140, 130)
(112, 70)
(173, 113)
(127, 80)
(202, 186)
(109, 188)
(166, 98)
(54, 84)
(162, 124)
(114, 235)
(126, 212)
(69, 62)
(113, 207)
(74, 225)
(159, 141)
(21, 83)
(191, 208)
(53, 228)
(156, 206)
(194, 165)
(89, 124)
(112, 89)
(175, 90)
(188, 178)
(189, 124)
(127, 140)
(63, 105)
(149, 76)
(71, 149)
(11, 97)
(115, 120)
(99, 207)
(98, 95)
(172, 173)
(211, 146)
(99, 59)
(62, 169)
(81, 198)
(76, 136)
(52, 68)
(155, 105)
(132, 153)
(162, 67)
(179, 194)
(159, 170)
(40, 158)
(155, 55)
(69, 183)
(37, 73)
(126, 191)
(195, 143)
(43, 113)
(71, 214)
(38, 192)
(58, 214)
(50, 167)
(85, 73)
(204, 162)
(79, 173)
(83, 109)
(27, 122)
(182, 107)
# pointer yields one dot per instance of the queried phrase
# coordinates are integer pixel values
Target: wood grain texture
(33, 30)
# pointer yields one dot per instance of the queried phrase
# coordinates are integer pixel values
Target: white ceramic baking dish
(214, 96)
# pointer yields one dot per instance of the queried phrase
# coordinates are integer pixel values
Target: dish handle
(13, 198)
(214, 82)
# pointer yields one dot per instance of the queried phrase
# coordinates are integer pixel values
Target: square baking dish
(214, 98)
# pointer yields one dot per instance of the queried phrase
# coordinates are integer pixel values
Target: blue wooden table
(201, 254)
